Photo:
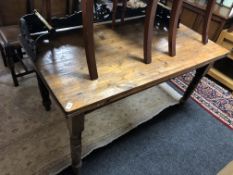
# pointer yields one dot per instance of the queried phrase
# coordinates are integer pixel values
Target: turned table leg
(44, 94)
(201, 72)
(148, 29)
(76, 127)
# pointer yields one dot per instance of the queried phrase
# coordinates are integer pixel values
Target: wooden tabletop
(119, 55)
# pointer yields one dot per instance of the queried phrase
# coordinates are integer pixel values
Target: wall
(227, 2)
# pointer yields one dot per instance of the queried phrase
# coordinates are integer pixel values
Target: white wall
(227, 2)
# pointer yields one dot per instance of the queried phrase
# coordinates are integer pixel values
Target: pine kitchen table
(62, 71)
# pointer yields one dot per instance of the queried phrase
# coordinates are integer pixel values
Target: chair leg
(88, 34)
(114, 10)
(3, 56)
(208, 16)
(75, 6)
(148, 29)
(20, 53)
(124, 5)
(10, 63)
(174, 21)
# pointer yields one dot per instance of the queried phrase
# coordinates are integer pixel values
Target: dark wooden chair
(54, 23)
(10, 14)
(172, 26)
(88, 33)
(175, 12)
(9, 44)
(149, 25)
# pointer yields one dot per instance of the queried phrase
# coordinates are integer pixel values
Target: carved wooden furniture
(193, 13)
(222, 71)
(121, 74)
(176, 6)
(87, 6)
(10, 47)
(9, 18)
(149, 24)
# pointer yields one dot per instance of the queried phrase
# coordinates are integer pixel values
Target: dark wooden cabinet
(193, 16)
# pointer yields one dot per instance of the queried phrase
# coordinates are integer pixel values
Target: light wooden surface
(221, 77)
(227, 170)
(226, 40)
(119, 57)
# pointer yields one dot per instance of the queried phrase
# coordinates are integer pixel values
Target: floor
(180, 140)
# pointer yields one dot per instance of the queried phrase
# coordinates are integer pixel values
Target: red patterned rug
(212, 97)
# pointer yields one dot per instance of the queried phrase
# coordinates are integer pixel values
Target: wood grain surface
(119, 55)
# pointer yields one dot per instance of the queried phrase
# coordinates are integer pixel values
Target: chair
(9, 44)
(175, 12)
(87, 7)
(149, 25)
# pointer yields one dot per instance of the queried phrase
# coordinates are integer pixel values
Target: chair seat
(9, 35)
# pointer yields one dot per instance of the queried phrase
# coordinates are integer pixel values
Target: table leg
(76, 127)
(148, 29)
(88, 34)
(201, 72)
(44, 94)
(174, 21)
